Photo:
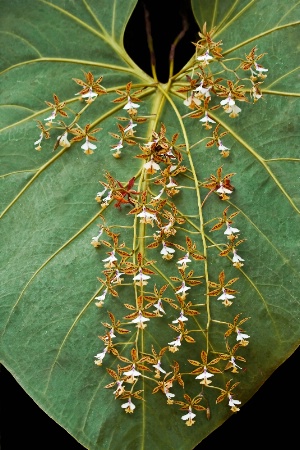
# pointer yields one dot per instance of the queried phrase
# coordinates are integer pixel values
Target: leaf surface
(49, 322)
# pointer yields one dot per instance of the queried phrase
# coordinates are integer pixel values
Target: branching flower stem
(201, 220)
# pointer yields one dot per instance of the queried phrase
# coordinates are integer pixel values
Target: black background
(269, 418)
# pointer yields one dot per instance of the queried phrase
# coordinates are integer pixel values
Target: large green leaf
(49, 321)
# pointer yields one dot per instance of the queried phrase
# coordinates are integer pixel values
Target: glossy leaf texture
(50, 271)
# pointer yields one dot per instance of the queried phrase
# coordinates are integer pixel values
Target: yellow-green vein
(265, 237)
(32, 116)
(27, 185)
(23, 40)
(214, 13)
(195, 179)
(281, 78)
(287, 13)
(47, 262)
(227, 15)
(284, 94)
(239, 14)
(65, 339)
(260, 295)
(260, 35)
(16, 172)
(105, 36)
(258, 157)
(76, 61)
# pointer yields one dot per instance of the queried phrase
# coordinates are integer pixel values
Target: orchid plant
(129, 288)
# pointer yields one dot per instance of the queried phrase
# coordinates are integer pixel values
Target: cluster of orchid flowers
(162, 167)
(130, 374)
(117, 267)
(91, 89)
(126, 133)
(202, 84)
(232, 236)
(163, 159)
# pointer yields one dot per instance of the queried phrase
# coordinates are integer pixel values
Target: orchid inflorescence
(159, 274)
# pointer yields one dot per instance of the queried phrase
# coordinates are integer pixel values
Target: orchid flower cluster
(155, 278)
(174, 303)
(203, 87)
(91, 90)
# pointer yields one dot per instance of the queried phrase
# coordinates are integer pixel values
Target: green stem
(201, 224)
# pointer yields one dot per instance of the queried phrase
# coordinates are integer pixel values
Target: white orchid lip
(141, 276)
(189, 416)
(232, 109)
(176, 343)
(233, 402)
(184, 260)
(100, 356)
(159, 307)
(158, 367)
(118, 146)
(206, 57)
(236, 257)
(192, 99)
(151, 166)
(241, 336)
(111, 258)
(130, 126)
(260, 68)
(225, 296)
(204, 375)
(63, 140)
(102, 297)
(88, 145)
(128, 405)
(223, 190)
(221, 146)
(206, 118)
(132, 372)
(90, 95)
(130, 104)
(38, 142)
(181, 318)
(182, 289)
(204, 91)
(52, 117)
(140, 319)
(230, 230)
(157, 197)
(227, 101)
(166, 250)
